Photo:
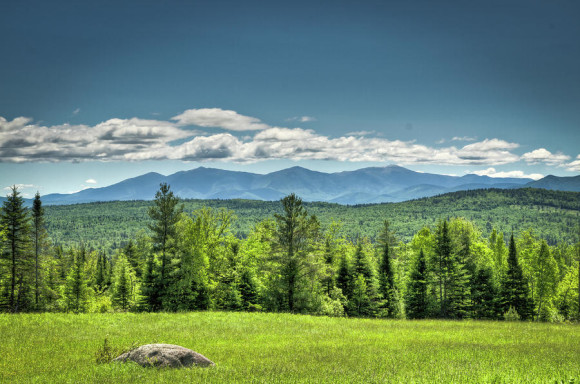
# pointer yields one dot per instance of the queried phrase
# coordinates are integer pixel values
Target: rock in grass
(165, 355)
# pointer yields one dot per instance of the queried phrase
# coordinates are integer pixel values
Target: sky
(92, 93)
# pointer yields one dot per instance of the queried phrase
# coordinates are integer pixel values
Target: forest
(292, 261)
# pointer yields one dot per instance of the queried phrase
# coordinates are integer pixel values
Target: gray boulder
(165, 355)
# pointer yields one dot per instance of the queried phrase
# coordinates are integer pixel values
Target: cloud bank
(136, 139)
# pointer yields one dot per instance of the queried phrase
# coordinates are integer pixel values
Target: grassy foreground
(61, 348)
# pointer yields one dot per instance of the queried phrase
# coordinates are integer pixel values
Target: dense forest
(553, 215)
(290, 260)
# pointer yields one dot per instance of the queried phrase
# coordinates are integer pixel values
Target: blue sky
(95, 92)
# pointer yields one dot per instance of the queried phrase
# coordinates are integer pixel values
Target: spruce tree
(344, 279)
(387, 289)
(165, 214)
(443, 267)
(514, 286)
(76, 291)
(417, 296)
(295, 234)
(363, 304)
(248, 289)
(484, 295)
(15, 222)
(122, 285)
(39, 244)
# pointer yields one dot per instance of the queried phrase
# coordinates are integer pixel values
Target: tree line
(287, 263)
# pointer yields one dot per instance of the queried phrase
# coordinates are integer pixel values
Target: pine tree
(165, 214)
(16, 253)
(123, 284)
(76, 291)
(387, 289)
(150, 299)
(295, 233)
(443, 267)
(130, 251)
(344, 279)
(484, 295)
(515, 287)
(248, 289)
(39, 244)
(363, 304)
(417, 304)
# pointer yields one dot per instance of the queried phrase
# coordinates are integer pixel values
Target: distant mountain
(363, 186)
(571, 184)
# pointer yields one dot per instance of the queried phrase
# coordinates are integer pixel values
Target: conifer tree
(363, 304)
(123, 284)
(150, 298)
(484, 295)
(76, 291)
(16, 255)
(344, 279)
(248, 289)
(387, 289)
(295, 234)
(514, 286)
(132, 254)
(165, 214)
(443, 267)
(417, 296)
(39, 244)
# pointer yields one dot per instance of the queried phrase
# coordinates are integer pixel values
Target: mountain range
(364, 186)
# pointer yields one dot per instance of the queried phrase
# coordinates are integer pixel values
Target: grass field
(62, 348)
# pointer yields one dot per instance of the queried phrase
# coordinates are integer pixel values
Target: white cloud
(13, 125)
(545, 156)
(219, 118)
(574, 166)
(76, 111)
(109, 140)
(464, 138)
(361, 133)
(491, 172)
(302, 119)
(91, 181)
(140, 139)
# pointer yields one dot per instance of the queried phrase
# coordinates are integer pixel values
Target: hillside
(554, 215)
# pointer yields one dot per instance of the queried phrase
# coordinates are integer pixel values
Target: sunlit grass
(61, 348)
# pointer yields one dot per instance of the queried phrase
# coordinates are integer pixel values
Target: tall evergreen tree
(132, 254)
(76, 291)
(443, 267)
(417, 304)
(363, 303)
(39, 244)
(123, 284)
(16, 255)
(295, 234)
(344, 279)
(484, 295)
(514, 286)
(248, 289)
(165, 214)
(387, 289)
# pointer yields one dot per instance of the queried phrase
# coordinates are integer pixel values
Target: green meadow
(268, 347)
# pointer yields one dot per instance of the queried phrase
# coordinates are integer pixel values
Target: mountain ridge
(363, 186)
